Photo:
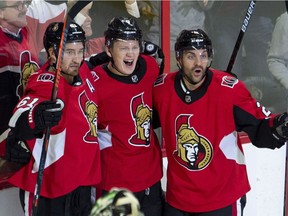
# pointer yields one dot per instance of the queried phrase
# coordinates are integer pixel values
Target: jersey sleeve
(253, 118)
(39, 89)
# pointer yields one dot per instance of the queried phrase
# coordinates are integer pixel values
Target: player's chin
(129, 69)
(74, 70)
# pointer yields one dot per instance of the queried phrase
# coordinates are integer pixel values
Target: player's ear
(52, 55)
(107, 50)
(51, 51)
(179, 63)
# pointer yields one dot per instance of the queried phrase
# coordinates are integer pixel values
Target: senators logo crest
(194, 151)
(90, 110)
(27, 68)
(142, 118)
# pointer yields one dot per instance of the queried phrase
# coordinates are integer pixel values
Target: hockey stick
(79, 5)
(240, 36)
(243, 29)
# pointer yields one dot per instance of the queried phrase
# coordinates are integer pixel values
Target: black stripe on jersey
(19, 39)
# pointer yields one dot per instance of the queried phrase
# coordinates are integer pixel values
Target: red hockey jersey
(16, 64)
(206, 164)
(19, 57)
(130, 155)
(73, 157)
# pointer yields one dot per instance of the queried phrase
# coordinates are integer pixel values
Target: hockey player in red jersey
(130, 155)
(73, 158)
(201, 110)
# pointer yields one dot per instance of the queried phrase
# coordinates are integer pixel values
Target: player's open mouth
(129, 62)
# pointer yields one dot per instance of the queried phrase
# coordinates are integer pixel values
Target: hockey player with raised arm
(201, 110)
(73, 156)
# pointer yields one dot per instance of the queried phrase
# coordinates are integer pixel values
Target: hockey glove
(280, 128)
(16, 150)
(155, 51)
(48, 114)
(152, 49)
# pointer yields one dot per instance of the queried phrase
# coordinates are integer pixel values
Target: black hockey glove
(47, 114)
(280, 128)
(156, 52)
(152, 49)
(16, 151)
(99, 59)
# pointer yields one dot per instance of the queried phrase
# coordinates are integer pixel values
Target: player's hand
(156, 52)
(16, 150)
(280, 127)
(48, 114)
(152, 49)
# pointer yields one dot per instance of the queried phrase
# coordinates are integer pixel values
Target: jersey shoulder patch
(229, 81)
(160, 79)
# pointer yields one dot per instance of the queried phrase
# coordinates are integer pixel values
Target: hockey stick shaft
(68, 19)
(241, 34)
(243, 29)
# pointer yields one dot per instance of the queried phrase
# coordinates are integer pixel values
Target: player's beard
(190, 79)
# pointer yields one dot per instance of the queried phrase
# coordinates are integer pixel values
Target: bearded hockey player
(73, 160)
(201, 110)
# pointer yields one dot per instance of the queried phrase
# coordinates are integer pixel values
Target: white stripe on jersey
(104, 138)
(10, 68)
(230, 149)
(55, 150)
